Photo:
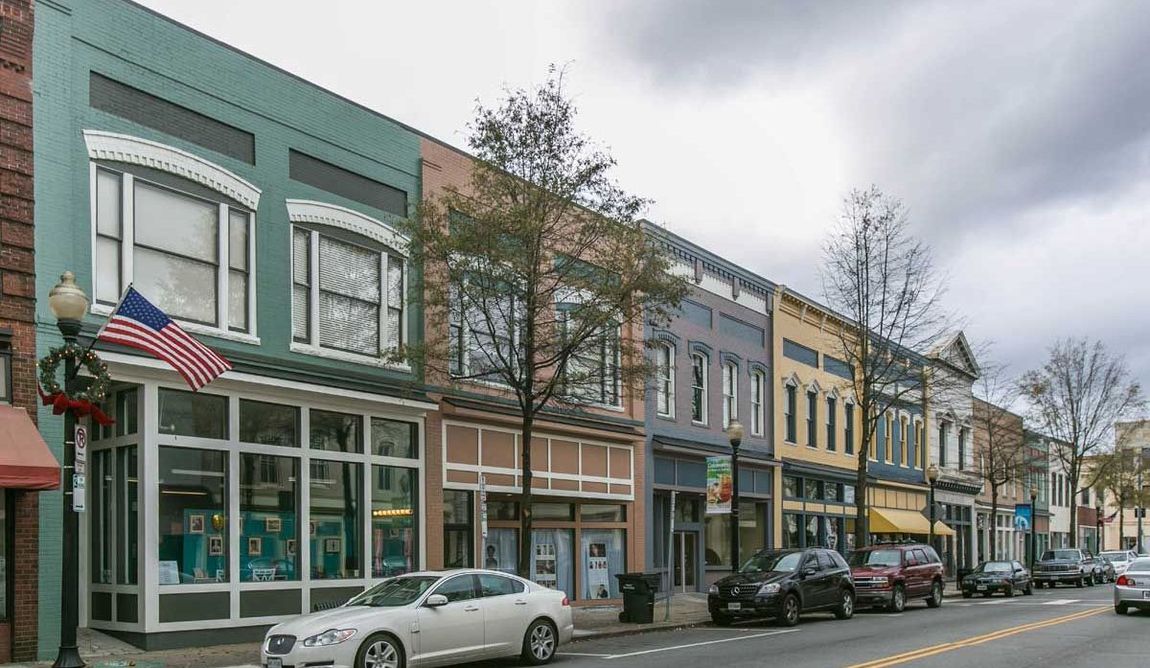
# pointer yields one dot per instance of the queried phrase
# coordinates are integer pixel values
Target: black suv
(783, 584)
(1069, 565)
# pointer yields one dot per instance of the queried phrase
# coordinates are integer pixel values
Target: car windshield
(1060, 554)
(1116, 556)
(766, 562)
(876, 558)
(995, 567)
(395, 592)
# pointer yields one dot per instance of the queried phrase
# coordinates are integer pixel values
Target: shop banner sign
(598, 576)
(483, 506)
(719, 483)
(1022, 517)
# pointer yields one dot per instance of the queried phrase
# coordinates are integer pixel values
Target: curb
(641, 628)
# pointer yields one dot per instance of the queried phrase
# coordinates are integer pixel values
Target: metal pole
(930, 540)
(670, 560)
(1032, 533)
(68, 655)
(734, 507)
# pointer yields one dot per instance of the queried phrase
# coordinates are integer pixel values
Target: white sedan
(428, 619)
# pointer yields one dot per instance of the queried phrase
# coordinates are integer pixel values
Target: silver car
(1133, 588)
(1120, 558)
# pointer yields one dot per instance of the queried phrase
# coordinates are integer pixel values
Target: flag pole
(76, 368)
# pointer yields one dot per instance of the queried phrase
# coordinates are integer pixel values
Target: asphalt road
(1061, 628)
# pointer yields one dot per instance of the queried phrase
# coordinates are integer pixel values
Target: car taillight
(1124, 581)
(565, 602)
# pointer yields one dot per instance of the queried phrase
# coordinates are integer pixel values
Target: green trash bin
(638, 591)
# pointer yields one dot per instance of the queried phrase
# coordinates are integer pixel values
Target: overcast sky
(1018, 133)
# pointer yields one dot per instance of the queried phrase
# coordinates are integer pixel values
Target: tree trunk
(861, 533)
(1121, 524)
(1074, 511)
(993, 523)
(525, 502)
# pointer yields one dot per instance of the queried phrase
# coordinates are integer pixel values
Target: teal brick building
(259, 211)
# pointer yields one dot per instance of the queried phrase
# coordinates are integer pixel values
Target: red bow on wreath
(61, 402)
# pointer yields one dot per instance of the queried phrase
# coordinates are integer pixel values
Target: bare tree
(537, 273)
(1000, 437)
(1119, 473)
(883, 281)
(1077, 396)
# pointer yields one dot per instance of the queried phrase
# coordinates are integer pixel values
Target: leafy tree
(1077, 396)
(883, 282)
(537, 274)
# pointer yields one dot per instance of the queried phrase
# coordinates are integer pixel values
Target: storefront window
(393, 520)
(269, 424)
(832, 528)
(336, 522)
(193, 414)
(127, 506)
(791, 530)
(269, 502)
(100, 491)
(391, 438)
(717, 540)
(752, 529)
(501, 552)
(457, 524)
(790, 487)
(502, 510)
(812, 531)
(603, 512)
(193, 546)
(813, 490)
(604, 556)
(553, 511)
(687, 509)
(339, 432)
(831, 491)
(552, 563)
(127, 413)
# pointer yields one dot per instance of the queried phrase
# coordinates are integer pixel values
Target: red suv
(888, 575)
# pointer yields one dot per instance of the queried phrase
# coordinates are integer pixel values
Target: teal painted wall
(139, 48)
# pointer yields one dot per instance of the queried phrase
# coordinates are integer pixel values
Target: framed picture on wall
(195, 523)
(215, 546)
(273, 525)
(290, 546)
(331, 545)
(255, 547)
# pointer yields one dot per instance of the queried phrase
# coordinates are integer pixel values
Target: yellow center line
(932, 650)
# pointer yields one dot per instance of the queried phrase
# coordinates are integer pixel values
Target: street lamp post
(1098, 522)
(735, 434)
(932, 478)
(69, 304)
(1034, 498)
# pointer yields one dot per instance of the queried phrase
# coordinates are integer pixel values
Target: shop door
(686, 546)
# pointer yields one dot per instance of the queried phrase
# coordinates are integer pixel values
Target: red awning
(25, 461)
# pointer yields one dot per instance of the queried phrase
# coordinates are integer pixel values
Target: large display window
(393, 520)
(336, 528)
(269, 505)
(192, 512)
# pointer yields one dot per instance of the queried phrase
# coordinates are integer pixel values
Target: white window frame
(128, 242)
(758, 389)
(730, 393)
(665, 378)
(705, 362)
(317, 215)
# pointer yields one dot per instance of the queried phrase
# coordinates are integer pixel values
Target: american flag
(138, 324)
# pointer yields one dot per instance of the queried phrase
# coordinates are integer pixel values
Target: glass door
(686, 545)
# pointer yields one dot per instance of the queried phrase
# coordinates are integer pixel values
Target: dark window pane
(603, 512)
(326, 176)
(336, 521)
(336, 431)
(192, 515)
(460, 588)
(269, 502)
(269, 424)
(393, 520)
(193, 414)
(390, 438)
(552, 511)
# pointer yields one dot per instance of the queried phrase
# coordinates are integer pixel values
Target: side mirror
(435, 601)
(809, 571)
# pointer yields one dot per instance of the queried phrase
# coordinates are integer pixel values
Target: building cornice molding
(117, 147)
(323, 213)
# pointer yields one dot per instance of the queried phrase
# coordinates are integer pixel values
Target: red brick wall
(18, 638)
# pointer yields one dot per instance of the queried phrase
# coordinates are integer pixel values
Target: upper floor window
(483, 341)
(758, 387)
(888, 440)
(665, 378)
(699, 363)
(943, 430)
(962, 436)
(849, 428)
(187, 249)
(905, 449)
(832, 416)
(592, 372)
(730, 393)
(790, 407)
(812, 417)
(347, 292)
(5, 365)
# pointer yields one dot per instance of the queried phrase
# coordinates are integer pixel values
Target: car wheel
(1121, 609)
(1029, 591)
(539, 643)
(1090, 581)
(789, 615)
(1079, 583)
(1009, 591)
(967, 594)
(935, 598)
(380, 651)
(898, 599)
(846, 608)
(721, 620)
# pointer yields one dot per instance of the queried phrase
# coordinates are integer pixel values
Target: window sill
(192, 327)
(668, 418)
(696, 423)
(306, 349)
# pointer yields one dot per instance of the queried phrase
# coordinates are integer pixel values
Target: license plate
(275, 663)
(980, 588)
(730, 606)
(1146, 593)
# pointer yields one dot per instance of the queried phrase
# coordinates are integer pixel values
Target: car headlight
(329, 637)
(769, 588)
(713, 589)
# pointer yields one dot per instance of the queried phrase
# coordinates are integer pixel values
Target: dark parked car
(1068, 565)
(991, 577)
(783, 584)
(889, 575)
